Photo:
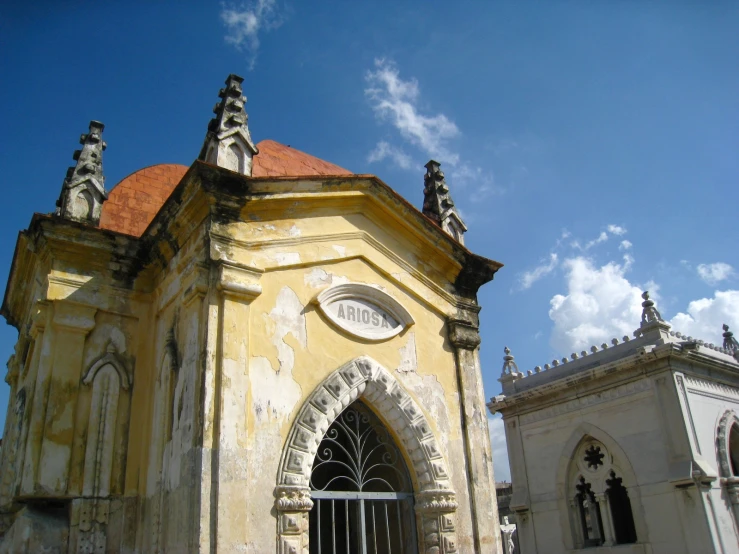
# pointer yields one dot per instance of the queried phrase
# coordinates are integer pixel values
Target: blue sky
(591, 146)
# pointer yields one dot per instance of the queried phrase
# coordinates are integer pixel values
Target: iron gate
(361, 490)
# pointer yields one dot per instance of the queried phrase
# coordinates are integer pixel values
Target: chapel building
(263, 352)
(631, 447)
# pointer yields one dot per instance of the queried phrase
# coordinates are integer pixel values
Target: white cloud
(501, 465)
(705, 316)
(603, 237)
(396, 100)
(715, 273)
(385, 150)
(600, 304)
(625, 245)
(528, 278)
(616, 230)
(244, 23)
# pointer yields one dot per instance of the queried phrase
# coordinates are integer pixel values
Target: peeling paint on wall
(287, 258)
(408, 358)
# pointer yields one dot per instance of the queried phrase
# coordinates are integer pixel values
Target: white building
(631, 447)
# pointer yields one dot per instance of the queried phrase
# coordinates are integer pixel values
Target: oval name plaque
(364, 311)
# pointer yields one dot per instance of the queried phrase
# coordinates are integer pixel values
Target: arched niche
(365, 379)
(727, 452)
(586, 439)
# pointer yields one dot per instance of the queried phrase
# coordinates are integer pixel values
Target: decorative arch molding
(723, 435)
(620, 461)
(582, 433)
(111, 358)
(364, 378)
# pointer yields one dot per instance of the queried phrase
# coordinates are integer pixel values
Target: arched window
(602, 513)
(361, 489)
(621, 514)
(734, 449)
(589, 510)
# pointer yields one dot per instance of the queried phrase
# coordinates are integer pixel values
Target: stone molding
(293, 499)
(112, 358)
(364, 378)
(711, 389)
(463, 334)
(614, 393)
(723, 434)
(371, 295)
(436, 501)
(74, 317)
(367, 379)
(238, 283)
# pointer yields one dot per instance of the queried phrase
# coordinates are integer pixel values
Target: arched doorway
(361, 489)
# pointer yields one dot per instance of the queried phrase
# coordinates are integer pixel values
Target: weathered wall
(157, 408)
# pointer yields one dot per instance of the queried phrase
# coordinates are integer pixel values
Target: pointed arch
(582, 433)
(364, 378)
(724, 432)
(566, 486)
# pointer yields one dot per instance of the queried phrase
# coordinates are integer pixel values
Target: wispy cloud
(528, 278)
(384, 150)
(395, 100)
(616, 230)
(715, 273)
(245, 22)
(398, 101)
(625, 245)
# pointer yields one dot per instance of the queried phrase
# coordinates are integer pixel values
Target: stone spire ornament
(649, 313)
(83, 190)
(509, 365)
(438, 203)
(228, 142)
(730, 343)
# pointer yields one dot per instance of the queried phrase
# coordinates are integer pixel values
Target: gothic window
(589, 510)
(621, 514)
(602, 513)
(734, 449)
(361, 489)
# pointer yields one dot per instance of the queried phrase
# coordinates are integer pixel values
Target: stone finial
(228, 141)
(83, 189)
(509, 365)
(438, 203)
(649, 313)
(730, 343)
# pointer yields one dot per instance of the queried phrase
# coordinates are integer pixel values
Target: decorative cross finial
(228, 141)
(83, 189)
(438, 203)
(649, 312)
(730, 343)
(509, 365)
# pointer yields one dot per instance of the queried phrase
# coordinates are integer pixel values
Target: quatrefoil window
(594, 457)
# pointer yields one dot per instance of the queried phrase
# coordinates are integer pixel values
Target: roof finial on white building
(509, 365)
(730, 343)
(649, 312)
(228, 141)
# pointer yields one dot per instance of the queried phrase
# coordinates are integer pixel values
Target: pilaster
(70, 324)
(236, 288)
(465, 338)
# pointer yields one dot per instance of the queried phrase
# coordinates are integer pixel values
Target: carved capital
(38, 319)
(292, 499)
(436, 501)
(463, 334)
(74, 317)
(238, 283)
